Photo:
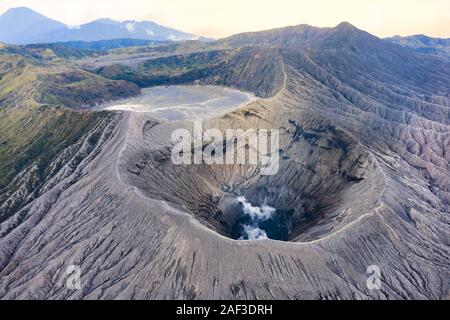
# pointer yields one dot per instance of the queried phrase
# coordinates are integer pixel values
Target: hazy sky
(219, 18)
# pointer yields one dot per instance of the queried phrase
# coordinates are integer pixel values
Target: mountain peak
(20, 9)
(23, 16)
(21, 25)
(347, 28)
(345, 25)
(304, 36)
(21, 12)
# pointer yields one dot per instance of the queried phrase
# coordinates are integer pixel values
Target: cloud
(130, 27)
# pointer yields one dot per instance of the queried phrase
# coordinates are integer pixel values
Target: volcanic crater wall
(324, 174)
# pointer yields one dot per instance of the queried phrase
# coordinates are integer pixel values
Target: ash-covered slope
(38, 131)
(365, 167)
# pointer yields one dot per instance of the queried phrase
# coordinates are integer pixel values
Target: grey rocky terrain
(365, 167)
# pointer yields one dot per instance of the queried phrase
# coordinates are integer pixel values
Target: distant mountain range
(25, 26)
(423, 44)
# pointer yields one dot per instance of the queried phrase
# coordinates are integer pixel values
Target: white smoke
(256, 213)
(252, 231)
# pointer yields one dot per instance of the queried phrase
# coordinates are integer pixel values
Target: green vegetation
(169, 70)
(36, 124)
(16, 76)
(252, 69)
(49, 52)
(35, 137)
(80, 89)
